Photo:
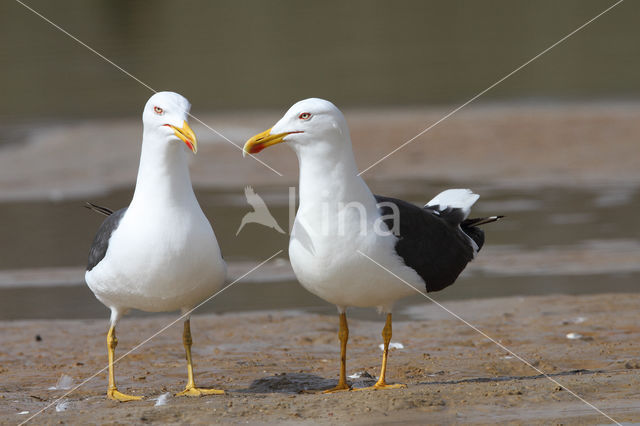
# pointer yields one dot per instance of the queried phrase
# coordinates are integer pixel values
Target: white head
(312, 124)
(165, 117)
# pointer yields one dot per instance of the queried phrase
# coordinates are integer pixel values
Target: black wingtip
(491, 219)
(98, 209)
(481, 221)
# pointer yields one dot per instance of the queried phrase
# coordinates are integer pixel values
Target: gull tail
(98, 209)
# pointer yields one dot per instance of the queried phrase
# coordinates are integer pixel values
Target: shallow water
(553, 240)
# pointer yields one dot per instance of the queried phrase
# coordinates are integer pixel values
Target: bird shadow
(291, 383)
(296, 383)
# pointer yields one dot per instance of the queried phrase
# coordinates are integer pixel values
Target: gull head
(165, 117)
(309, 124)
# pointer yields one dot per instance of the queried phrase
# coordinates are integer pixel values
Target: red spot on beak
(256, 148)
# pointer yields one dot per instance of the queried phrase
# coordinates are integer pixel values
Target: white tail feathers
(455, 198)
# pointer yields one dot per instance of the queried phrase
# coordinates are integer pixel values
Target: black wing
(101, 241)
(431, 241)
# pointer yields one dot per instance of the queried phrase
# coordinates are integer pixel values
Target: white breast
(161, 261)
(325, 251)
(163, 255)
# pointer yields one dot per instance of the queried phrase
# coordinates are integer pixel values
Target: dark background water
(256, 54)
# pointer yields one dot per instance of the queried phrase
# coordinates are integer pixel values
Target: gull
(344, 237)
(160, 253)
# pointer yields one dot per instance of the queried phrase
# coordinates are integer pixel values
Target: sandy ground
(519, 144)
(270, 361)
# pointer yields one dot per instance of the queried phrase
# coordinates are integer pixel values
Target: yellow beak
(263, 140)
(186, 134)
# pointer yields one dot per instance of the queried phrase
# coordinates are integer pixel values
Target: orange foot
(193, 391)
(116, 395)
(341, 387)
(381, 386)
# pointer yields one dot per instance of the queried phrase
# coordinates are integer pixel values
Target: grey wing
(101, 241)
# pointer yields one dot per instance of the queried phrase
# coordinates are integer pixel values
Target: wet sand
(270, 361)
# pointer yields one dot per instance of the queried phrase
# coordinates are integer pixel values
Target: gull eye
(305, 116)
(158, 110)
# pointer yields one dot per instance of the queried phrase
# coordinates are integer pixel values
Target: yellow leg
(191, 389)
(343, 335)
(112, 391)
(386, 337)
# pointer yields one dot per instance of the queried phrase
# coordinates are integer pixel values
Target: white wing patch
(455, 198)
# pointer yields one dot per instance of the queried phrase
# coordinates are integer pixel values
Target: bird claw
(193, 391)
(338, 388)
(116, 395)
(382, 386)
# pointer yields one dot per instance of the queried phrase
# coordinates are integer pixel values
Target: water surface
(594, 229)
(256, 54)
